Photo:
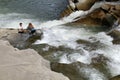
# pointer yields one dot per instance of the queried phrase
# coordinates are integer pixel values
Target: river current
(60, 42)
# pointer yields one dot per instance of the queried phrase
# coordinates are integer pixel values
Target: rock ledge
(24, 65)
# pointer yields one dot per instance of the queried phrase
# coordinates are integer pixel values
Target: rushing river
(77, 51)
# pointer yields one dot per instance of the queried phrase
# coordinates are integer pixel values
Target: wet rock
(80, 41)
(104, 15)
(100, 63)
(115, 78)
(82, 5)
(69, 70)
(49, 52)
(116, 36)
(75, 71)
(97, 17)
(99, 59)
(90, 46)
(86, 5)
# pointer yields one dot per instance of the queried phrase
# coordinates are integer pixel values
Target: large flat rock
(18, 40)
(24, 65)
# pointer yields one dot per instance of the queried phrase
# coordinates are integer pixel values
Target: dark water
(42, 9)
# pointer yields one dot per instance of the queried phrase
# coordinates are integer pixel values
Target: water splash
(93, 74)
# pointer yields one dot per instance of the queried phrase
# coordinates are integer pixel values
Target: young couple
(30, 29)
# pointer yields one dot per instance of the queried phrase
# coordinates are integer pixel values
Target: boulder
(24, 65)
(80, 5)
(116, 36)
(70, 70)
(86, 5)
(94, 18)
(115, 78)
(106, 6)
(102, 16)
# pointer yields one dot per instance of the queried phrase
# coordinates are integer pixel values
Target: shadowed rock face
(115, 78)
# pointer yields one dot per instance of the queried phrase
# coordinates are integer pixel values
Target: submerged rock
(77, 70)
(116, 36)
(24, 65)
(70, 70)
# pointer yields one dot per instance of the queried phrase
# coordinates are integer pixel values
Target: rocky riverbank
(26, 64)
(18, 40)
(31, 66)
(105, 14)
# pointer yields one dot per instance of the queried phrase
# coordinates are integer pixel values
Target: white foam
(64, 59)
(81, 57)
(61, 35)
(93, 74)
(114, 68)
(112, 52)
(71, 18)
(12, 20)
(103, 38)
(55, 34)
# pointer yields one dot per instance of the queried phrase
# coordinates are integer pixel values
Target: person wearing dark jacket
(31, 28)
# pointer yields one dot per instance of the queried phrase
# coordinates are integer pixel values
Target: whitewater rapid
(56, 34)
(61, 35)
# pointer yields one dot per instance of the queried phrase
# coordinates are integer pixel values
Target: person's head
(30, 24)
(20, 24)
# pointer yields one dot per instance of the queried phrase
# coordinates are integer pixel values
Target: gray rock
(24, 65)
(19, 40)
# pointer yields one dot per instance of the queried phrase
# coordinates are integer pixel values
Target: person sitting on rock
(31, 28)
(20, 30)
